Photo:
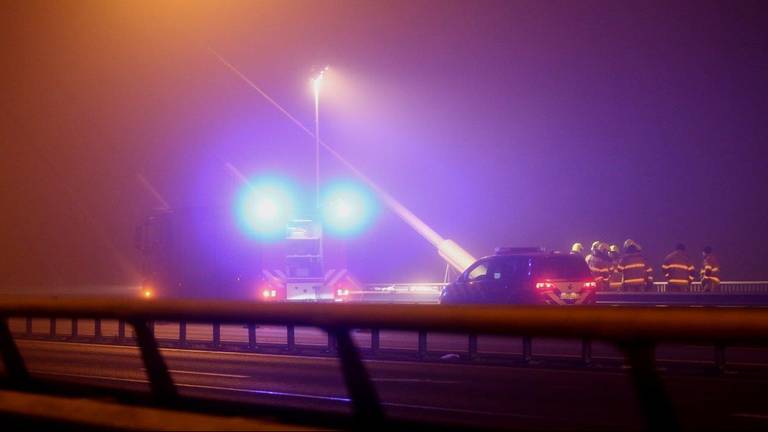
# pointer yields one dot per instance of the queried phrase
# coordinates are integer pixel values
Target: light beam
(450, 251)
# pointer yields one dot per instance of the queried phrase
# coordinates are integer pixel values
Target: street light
(316, 81)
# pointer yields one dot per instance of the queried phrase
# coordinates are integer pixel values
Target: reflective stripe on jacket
(615, 277)
(600, 268)
(634, 269)
(710, 268)
(678, 268)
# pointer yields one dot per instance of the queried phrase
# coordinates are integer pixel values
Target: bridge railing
(635, 332)
(430, 292)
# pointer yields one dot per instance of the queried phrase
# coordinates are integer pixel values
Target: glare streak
(153, 191)
(448, 250)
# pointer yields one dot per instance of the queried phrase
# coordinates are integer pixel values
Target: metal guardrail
(427, 293)
(392, 294)
(726, 287)
(102, 332)
(422, 293)
(635, 331)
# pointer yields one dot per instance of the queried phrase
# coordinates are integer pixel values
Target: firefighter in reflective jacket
(614, 280)
(577, 249)
(636, 274)
(710, 270)
(678, 270)
(592, 251)
(600, 265)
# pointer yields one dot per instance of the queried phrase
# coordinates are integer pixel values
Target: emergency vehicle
(526, 275)
(202, 253)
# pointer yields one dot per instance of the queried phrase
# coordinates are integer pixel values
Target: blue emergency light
(348, 208)
(265, 206)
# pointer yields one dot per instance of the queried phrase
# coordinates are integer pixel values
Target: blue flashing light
(348, 208)
(265, 206)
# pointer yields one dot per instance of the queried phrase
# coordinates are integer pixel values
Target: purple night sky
(498, 123)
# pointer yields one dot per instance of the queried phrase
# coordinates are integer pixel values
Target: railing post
(649, 388)
(160, 380)
(252, 335)
(29, 326)
(472, 348)
(527, 349)
(720, 357)
(331, 342)
(375, 341)
(121, 330)
(97, 328)
(586, 351)
(365, 400)
(74, 328)
(15, 368)
(52, 328)
(216, 335)
(290, 337)
(422, 344)
(183, 333)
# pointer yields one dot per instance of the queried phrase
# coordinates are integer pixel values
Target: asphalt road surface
(457, 393)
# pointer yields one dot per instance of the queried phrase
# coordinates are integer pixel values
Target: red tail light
(268, 293)
(590, 285)
(545, 286)
(341, 293)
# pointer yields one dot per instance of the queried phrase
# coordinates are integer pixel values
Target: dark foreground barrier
(635, 331)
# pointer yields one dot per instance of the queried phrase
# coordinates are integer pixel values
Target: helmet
(629, 243)
(577, 248)
(602, 247)
(595, 245)
(613, 248)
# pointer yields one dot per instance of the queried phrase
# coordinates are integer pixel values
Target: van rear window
(566, 267)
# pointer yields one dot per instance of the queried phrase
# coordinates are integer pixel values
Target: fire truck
(201, 253)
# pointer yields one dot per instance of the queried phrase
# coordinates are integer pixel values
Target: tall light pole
(316, 81)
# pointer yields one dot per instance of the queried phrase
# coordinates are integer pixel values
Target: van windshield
(566, 267)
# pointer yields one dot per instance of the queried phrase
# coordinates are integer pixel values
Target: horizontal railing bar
(668, 324)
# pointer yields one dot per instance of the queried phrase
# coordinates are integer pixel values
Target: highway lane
(514, 397)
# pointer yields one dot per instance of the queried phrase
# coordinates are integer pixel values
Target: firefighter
(678, 270)
(614, 280)
(600, 265)
(637, 275)
(577, 249)
(710, 271)
(592, 251)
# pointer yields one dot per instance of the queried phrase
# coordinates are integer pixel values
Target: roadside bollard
(183, 332)
(375, 341)
(291, 337)
(422, 344)
(472, 348)
(527, 349)
(252, 335)
(121, 330)
(97, 328)
(720, 357)
(586, 351)
(216, 335)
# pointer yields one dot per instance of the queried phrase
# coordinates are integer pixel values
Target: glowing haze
(496, 123)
